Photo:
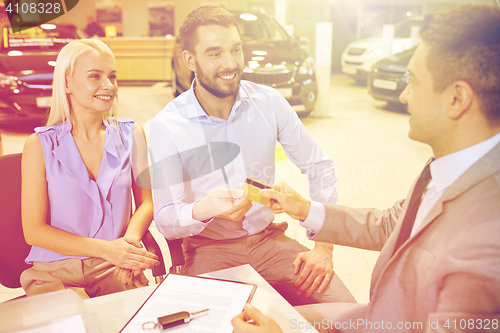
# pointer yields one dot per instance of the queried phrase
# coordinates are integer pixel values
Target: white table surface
(115, 310)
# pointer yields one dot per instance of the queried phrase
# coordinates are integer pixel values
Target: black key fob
(174, 319)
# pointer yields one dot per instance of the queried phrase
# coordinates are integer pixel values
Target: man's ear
(461, 98)
(189, 60)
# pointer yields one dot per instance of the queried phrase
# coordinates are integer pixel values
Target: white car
(359, 56)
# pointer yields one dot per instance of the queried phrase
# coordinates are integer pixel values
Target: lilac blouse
(98, 209)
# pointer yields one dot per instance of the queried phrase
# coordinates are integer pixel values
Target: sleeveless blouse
(98, 209)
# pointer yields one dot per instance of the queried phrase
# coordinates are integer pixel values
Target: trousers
(88, 277)
(270, 253)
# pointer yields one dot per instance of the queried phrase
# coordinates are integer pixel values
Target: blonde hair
(60, 110)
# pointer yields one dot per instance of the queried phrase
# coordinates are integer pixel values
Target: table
(115, 310)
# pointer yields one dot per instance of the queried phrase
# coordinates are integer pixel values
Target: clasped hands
(130, 259)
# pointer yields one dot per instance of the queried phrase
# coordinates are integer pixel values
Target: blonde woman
(78, 180)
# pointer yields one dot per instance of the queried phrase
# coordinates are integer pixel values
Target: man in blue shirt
(201, 202)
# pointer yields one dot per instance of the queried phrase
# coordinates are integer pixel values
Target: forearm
(173, 222)
(117, 252)
(201, 211)
(362, 228)
(66, 243)
(305, 153)
(323, 182)
(140, 222)
(323, 247)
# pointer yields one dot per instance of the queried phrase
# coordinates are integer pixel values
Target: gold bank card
(252, 189)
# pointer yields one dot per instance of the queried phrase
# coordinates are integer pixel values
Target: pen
(178, 318)
(227, 186)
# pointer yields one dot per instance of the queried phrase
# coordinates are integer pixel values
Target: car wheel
(174, 82)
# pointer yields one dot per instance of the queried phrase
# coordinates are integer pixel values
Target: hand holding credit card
(252, 189)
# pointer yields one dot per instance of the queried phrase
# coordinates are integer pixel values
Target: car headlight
(307, 67)
(8, 82)
(379, 52)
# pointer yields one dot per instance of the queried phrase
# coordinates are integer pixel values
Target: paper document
(176, 293)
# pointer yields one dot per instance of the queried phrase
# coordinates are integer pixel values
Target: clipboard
(224, 298)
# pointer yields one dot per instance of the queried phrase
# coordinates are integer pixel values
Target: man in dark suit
(439, 263)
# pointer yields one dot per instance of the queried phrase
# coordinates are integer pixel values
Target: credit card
(252, 189)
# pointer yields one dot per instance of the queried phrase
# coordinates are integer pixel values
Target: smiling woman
(92, 87)
(83, 67)
(77, 177)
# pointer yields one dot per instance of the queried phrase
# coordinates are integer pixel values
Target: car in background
(27, 60)
(359, 56)
(389, 77)
(272, 58)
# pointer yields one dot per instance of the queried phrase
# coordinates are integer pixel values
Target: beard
(215, 89)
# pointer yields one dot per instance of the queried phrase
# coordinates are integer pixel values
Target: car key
(172, 320)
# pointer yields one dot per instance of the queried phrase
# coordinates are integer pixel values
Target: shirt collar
(195, 110)
(447, 169)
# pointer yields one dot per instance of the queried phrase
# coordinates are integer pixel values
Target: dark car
(389, 78)
(27, 61)
(272, 58)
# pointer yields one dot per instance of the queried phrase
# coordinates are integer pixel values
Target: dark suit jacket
(450, 269)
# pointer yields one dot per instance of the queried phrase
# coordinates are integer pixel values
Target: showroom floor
(375, 161)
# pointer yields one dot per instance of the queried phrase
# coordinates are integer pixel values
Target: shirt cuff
(314, 221)
(187, 219)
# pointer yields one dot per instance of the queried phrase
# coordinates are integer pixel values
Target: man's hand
(260, 324)
(227, 203)
(317, 271)
(286, 199)
(237, 213)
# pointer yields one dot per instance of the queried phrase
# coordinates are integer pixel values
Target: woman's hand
(130, 256)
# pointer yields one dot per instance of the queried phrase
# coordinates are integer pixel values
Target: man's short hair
(464, 44)
(204, 15)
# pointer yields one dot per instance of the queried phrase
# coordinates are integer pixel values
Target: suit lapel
(482, 169)
(485, 167)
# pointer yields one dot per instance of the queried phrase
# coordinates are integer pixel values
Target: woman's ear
(66, 85)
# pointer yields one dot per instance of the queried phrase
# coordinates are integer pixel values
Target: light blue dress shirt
(188, 161)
